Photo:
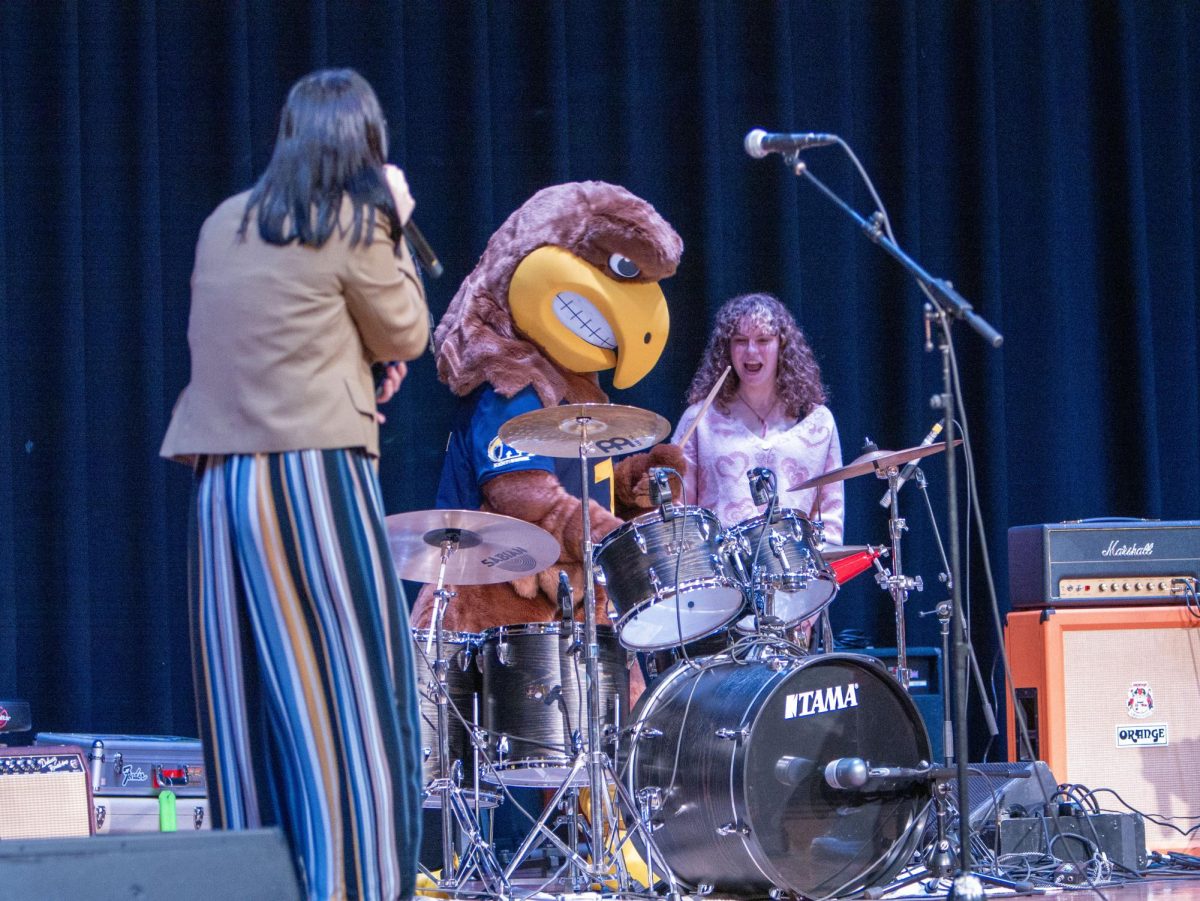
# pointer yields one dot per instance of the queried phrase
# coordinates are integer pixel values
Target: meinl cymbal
(877, 461)
(486, 547)
(611, 429)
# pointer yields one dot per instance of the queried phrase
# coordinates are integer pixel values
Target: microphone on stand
(566, 604)
(660, 488)
(759, 143)
(762, 485)
(856, 774)
(907, 471)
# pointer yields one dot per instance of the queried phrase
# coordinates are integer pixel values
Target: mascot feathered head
(567, 287)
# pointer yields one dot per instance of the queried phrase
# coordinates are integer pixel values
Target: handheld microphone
(759, 143)
(422, 249)
(907, 471)
(856, 774)
(566, 604)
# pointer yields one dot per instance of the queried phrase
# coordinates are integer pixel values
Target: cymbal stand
(478, 857)
(604, 817)
(893, 580)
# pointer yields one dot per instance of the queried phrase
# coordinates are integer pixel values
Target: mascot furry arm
(566, 287)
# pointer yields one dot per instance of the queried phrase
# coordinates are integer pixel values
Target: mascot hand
(633, 476)
(538, 497)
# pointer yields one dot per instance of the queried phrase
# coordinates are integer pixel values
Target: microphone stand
(967, 886)
(944, 611)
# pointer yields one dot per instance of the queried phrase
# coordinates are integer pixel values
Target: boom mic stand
(967, 885)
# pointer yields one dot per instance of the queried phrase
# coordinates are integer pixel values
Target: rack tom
(669, 577)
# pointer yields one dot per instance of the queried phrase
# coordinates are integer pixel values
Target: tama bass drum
(732, 752)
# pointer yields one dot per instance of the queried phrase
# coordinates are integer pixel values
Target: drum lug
(818, 531)
(718, 565)
(502, 653)
(654, 582)
(776, 542)
(639, 540)
(734, 828)
(733, 734)
(647, 732)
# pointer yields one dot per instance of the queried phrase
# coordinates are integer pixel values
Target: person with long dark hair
(301, 646)
(769, 412)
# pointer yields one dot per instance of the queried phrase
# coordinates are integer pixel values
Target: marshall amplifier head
(1103, 562)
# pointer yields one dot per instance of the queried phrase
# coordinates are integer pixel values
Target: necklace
(762, 419)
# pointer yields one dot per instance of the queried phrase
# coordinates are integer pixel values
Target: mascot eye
(623, 267)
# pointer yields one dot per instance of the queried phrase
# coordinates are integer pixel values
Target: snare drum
(535, 698)
(669, 579)
(783, 554)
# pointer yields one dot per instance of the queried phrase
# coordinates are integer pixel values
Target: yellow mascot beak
(589, 319)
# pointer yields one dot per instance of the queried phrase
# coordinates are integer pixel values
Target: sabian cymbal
(879, 461)
(487, 547)
(611, 429)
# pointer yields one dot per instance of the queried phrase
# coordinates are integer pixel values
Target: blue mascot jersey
(475, 453)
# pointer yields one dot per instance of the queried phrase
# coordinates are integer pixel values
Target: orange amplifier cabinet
(1112, 699)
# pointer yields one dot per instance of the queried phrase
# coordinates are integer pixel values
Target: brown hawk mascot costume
(567, 287)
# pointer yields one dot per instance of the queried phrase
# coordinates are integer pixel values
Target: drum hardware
(478, 548)
(945, 614)
(624, 429)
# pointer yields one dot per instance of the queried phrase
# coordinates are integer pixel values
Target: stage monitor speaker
(253, 865)
(1111, 697)
(44, 793)
(998, 790)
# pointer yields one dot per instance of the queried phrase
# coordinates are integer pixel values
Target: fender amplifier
(142, 783)
(44, 793)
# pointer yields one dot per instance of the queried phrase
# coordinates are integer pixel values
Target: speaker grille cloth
(1100, 667)
(44, 805)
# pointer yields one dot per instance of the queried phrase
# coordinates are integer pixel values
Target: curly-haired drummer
(770, 412)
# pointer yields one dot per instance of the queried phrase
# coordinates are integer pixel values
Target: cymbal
(611, 429)
(487, 547)
(877, 461)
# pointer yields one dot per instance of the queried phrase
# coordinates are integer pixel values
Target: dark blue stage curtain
(1041, 155)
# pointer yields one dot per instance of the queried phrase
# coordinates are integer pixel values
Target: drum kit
(720, 779)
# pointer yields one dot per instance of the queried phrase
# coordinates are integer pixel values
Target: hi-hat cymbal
(611, 429)
(487, 547)
(878, 461)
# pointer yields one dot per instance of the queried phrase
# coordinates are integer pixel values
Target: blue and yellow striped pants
(303, 667)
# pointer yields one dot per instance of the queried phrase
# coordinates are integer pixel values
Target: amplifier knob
(1101, 587)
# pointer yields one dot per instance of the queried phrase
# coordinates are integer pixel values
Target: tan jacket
(282, 339)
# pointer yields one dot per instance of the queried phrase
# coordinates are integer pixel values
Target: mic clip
(763, 487)
(660, 489)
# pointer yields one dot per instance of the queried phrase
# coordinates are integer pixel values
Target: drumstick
(643, 499)
(704, 407)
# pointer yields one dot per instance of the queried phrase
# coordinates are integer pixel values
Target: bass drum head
(747, 809)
